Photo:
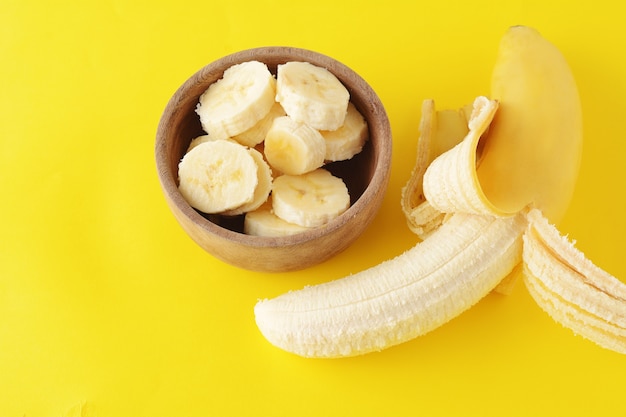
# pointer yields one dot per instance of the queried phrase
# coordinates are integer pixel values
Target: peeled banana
(488, 183)
(400, 299)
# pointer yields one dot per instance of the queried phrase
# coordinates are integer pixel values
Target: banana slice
(348, 140)
(197, 141)
(235, 103)
(310, 199)
(201, 139)
(294, 147)
(312, 95)
(263, 222)
(256, 134)
(217, 176)
(263, 188)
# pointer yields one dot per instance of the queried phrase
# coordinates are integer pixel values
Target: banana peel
(484, 181)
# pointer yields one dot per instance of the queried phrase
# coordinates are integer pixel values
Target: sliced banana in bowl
(297, 106)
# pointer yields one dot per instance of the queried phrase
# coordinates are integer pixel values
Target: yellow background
(104, 300)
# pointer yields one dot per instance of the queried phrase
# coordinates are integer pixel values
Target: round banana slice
(348, 140)
(197, 141)
(293, 147)
(312, 95)
(236, 102)
(216, 176)
(201, 139)
(263, 188)
(263, 222)
(256, 134)
(310, 199)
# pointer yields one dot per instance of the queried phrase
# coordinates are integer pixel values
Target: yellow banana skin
(533, 149)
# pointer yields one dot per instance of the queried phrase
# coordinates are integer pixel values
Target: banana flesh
(441, 131)
(399, 299)
(262, 189)
(263, 222)
(257, 133)
(312, 95)
(290, 127)
(217, 176)
(348, 140)
(476, 230)
(294, 147)
(463, 259)
(310, 199)
(236, 102)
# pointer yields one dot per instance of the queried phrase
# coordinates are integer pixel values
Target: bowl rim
(382, 155)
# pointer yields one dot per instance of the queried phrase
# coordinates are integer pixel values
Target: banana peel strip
(440, 130)
(564, 283)
(450, 182)
(570, 288)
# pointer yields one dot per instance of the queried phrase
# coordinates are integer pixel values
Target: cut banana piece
(311, 94)
(197, 141)
(240, 99)
(203, 138)
(400, 299)
(257, 133)
(310, 200)
(263, 222)
(217, 176)
(262, 190)
(571, 289)
(348, 140)
(294, 147)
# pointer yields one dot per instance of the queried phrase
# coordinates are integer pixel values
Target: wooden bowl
(366, 174)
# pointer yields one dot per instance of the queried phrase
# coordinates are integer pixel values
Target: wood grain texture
(366, 175)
